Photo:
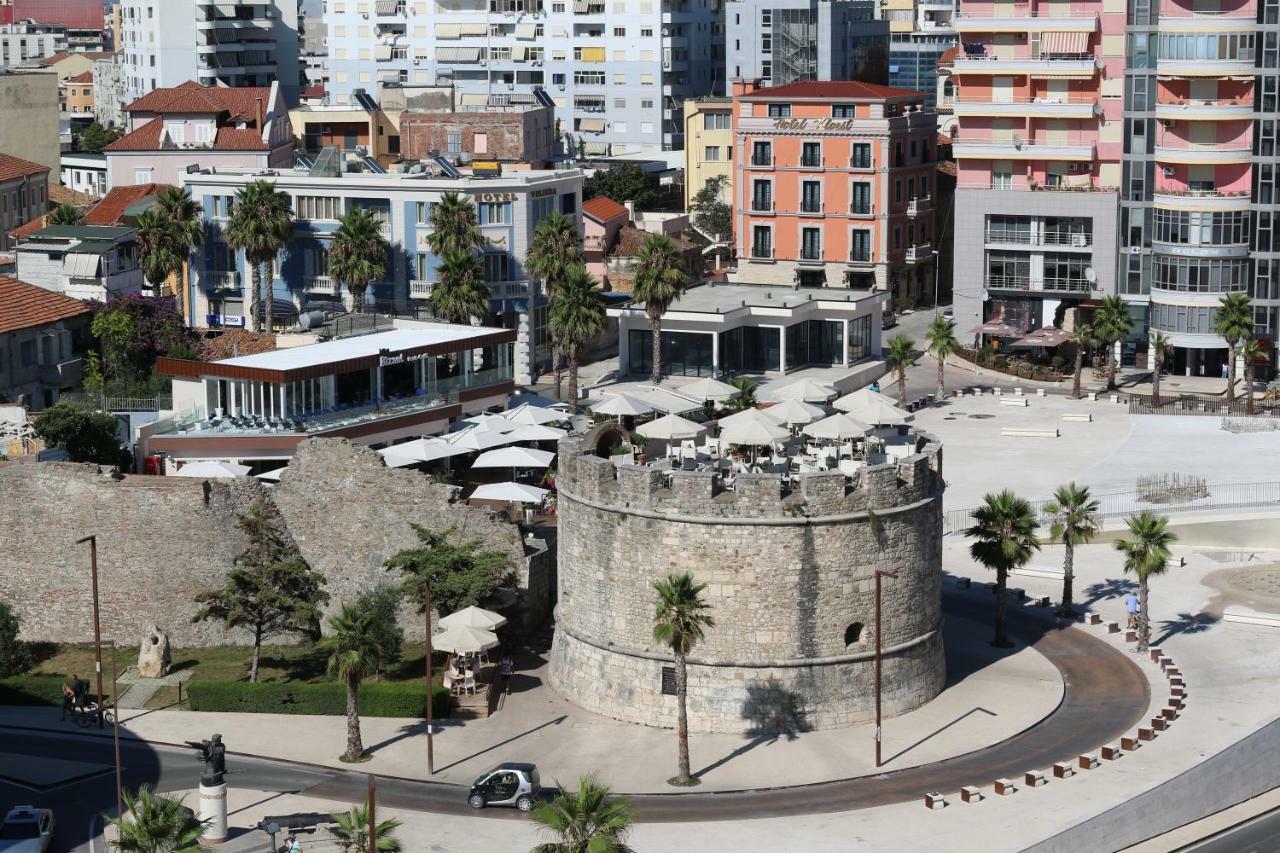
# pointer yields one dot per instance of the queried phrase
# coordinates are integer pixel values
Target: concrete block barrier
(1087, 761)
(1035, 779)
(1146, 734)
(1078, 418)
(935, 800)
(1012, 432)
(1063, 770)
(1113, 627)
(1004, 787)
(1093, 619)
(1111, 752)
(1159, 724)
(1014, 401)
(971, 794)
(1129, 743)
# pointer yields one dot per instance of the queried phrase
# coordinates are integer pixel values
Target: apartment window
(317, 207)
(897, 190)
(588, 78)
(716, 121)
(711, 154)
(762, 242)
(423, 213)
(646, 32)
(897, 154)
(494, 213)
(1001, 179)
(766, 69)
(762, 195)
(811, 155)
(811, 197)
(861, 158)
(761, 153)
(897, 236)
(620, 32)
(780, 111)
(843, 111)
(646, 104)
(860, 245)
(1009, 270)
(810, 244)
(497, 266)
(860, 198)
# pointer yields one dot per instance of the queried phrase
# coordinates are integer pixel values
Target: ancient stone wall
(790, 579)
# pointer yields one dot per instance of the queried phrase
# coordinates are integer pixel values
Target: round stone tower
(790, 575)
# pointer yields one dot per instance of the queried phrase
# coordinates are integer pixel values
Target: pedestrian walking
(505, 669)
(68, 696)
(1131, 607)
(293, 845)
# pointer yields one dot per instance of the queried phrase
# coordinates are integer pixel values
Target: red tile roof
(86, 77)
(24, 305)
(145, 138)
(230, 343)
(602, 208)
(240, 101)
(845, 90)
(235, 139)
(313, 92)
(631, 239)
(73, 14)
(948, 167)
(22, 232)
(110, 211)
(58, 194)
(87, 54)
(12, 168)
(948, 56)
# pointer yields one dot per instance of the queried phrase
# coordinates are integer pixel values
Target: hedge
(376, 699)
(32, 690)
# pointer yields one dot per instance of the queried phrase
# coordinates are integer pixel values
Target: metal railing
(1202, 405)
(108, 403)
(1042, 238)
(220, 280)
(320, 284)
(1123, 504)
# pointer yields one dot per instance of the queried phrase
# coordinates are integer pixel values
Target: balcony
(1080, 65)
(321, 284)
(1238, 66)
(1024, 22)
(1020, 284)
(1172, 198)
(1075, 148)
(761, 205)
(1078, 106)
(1038, 237)
(810, 207)
(220, 281)
(1207, 22)
(1187, 109)
(1200, 154)
(762, 162)
(919, 206)
(761, 253)
(919, 253)
(420, 288)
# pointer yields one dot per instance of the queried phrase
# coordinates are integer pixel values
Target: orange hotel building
(834, 184)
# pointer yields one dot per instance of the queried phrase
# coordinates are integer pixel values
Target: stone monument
(213, 789)
(154, 657)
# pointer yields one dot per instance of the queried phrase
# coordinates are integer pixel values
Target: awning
(999, 330)
(1058, 43)
(591, 125)
(80, 266)
(1046, 337)
(526, 31)
(581, 7)
(519, 52)
(457, 54)
(473, 99)
(592, 54)
(474, 28)
(381, 52)
(598, 149)
(387, 7)
(448, 31)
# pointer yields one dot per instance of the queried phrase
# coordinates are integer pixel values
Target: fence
(1200, 404)
(1122, 504)
(120, 404)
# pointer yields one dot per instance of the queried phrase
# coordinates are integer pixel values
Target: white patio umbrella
(535, 432)
(621, 404)
(707, 389)
(489, 421)
(531, 415)
(794, 413)
(752, 426)
(271, 476)
(804, 390)
(671, 428)
(516, 493)
(474, 438)
(837, 427)
(867, 405)
(514, 457)
(209, 469)
(464, 640)
(473, 617)
(665, 400)
(424, 450)
(391, 460)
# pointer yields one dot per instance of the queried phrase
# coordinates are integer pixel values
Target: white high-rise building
(618, 70)
(165, 43)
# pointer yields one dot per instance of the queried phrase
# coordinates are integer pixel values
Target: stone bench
(1034, 779)
(935, 800)
(1078, 418)
(1245, 617)
(1014, 401)
(1087, 761)
(1017, 432)
(1063, 770)
(1004, 787)
(1112, 751)
(971, 794)
(1115, 398)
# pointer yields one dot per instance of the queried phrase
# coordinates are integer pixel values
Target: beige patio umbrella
(804, 390)
(872, 407)
(464, 640)
(671, 428)
(474, 617)
(794, 413)
(752, 426)
(707, 389)
(837, 427)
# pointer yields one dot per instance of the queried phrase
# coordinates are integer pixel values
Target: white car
(26, 829)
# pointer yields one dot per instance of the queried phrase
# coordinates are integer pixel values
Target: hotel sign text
(826, 124)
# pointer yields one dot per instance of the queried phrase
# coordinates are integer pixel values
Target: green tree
(900, 356)
(942, 345)
(87, 435)
(353, 654)
(159, 256)
(95, 137)
(358, 254)
(680, 621)
(131, 332)
(460, 293)
(260, 225)
(1004, 538)
(1146, 554)
(588, 820)
(64, 214)
(1111, 324)
(1160, 349)
(1073, 520)
(746, 398)
(556, 248)
(183, 231)
(1252, 352)
(271, 590)
(384, 601)
(623, 182)
(15, 655)
(1233, 322)
(575, 316)
(660, 278)
(1083, 337)
(351, 831)
(154, 823)
(455, 226)
(459, 574)
(712, 215)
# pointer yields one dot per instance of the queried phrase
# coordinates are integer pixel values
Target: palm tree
(1004, 538)
(746, 398)
(576, 317)
(1082, 337)
(1251, 352)
(589, 820)
(1160, 349)
(261, 224)
(153, 823)
(1073, 520)
(1146, 554)
(942, 345)
(1233, 322)
(660, 277)
(184, 216)
(555, 248)
(353, 650)
(350, 831)
(1111, 324)
(680, 620)
(157, 253)
(901, 355)
(63, 214)
(358, 254)
(455, 226)
(460, 293)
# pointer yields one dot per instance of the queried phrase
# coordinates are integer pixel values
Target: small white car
(26, 829)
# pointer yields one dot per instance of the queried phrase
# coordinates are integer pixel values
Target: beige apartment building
(29, 117)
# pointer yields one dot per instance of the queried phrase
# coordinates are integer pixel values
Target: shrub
(376, 700)
(31, 690)
(15, 655)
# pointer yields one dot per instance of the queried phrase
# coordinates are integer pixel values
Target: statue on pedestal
(214, 755)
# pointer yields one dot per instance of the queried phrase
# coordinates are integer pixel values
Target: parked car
(509, 784)
(26, 829)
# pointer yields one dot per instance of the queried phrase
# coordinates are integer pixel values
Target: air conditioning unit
(1168, 171)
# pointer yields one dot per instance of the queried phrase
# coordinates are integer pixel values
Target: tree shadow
(421, 728)
(1109, 589)
(41, 651)
(940, 730)
(772, 712)
(1185, 623)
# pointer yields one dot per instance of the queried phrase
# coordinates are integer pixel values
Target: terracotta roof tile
(602, 208)
(87, 54)
(229, 343)
(58, 194)
(948, 57)
(110, 211)
(193, 98)
(832, 89)
(631, 239)
(86, 77)
(313, 92)
(22, 232)
(948, 167)
(235, 139)
(145, 138)
(73, 14)
(12, 168)
(24, 305)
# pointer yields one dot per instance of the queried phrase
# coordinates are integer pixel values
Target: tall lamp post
(880, 573)
(115, 728)
(97, 626)
(426, 609)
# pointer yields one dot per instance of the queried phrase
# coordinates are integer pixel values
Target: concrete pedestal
(213, 808)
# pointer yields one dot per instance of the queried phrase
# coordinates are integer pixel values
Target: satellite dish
(1089, 275)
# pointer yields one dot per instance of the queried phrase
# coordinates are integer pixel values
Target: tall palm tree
(354, 652)
(589, 820)
(184, 216)
(154, 823)
(63, 214)
(576, 317)
(1160, 349)
(901, 355)
(555, 248)
(660, 278)
(158, 255)
(680, 621)
(942, 345)
(358, 254)
(1233, 322)
(350, 831)
(261, 224)
(460, 293)
(1073, 520)
(1251, 352)
(1111, 324)
(1082, 337)
(1004, 538)
(455, 226)
(1146, 554)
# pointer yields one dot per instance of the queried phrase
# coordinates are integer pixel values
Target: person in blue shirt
(1131, 607)
(875, 386)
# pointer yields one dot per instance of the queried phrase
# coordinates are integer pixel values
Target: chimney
(631, 210)
(261, 128)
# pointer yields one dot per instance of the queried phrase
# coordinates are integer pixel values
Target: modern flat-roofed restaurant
(373, 389)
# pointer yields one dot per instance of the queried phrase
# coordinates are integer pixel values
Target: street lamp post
(426, 609)
(880, 573)
(115, 728)
(373, 832)
(97, 626)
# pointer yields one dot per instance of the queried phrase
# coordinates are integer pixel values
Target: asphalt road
(1259, 835)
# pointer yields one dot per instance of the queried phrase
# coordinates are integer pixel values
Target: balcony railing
(1039, 238)
(761, 161)
(222, 280)
(420, 288)
(762, 252)
(920, 252)
(811, 162)
(856, 257)
(1051, 284)
(810, 206)
(918, 205)
(321, 284)
(761, 205)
